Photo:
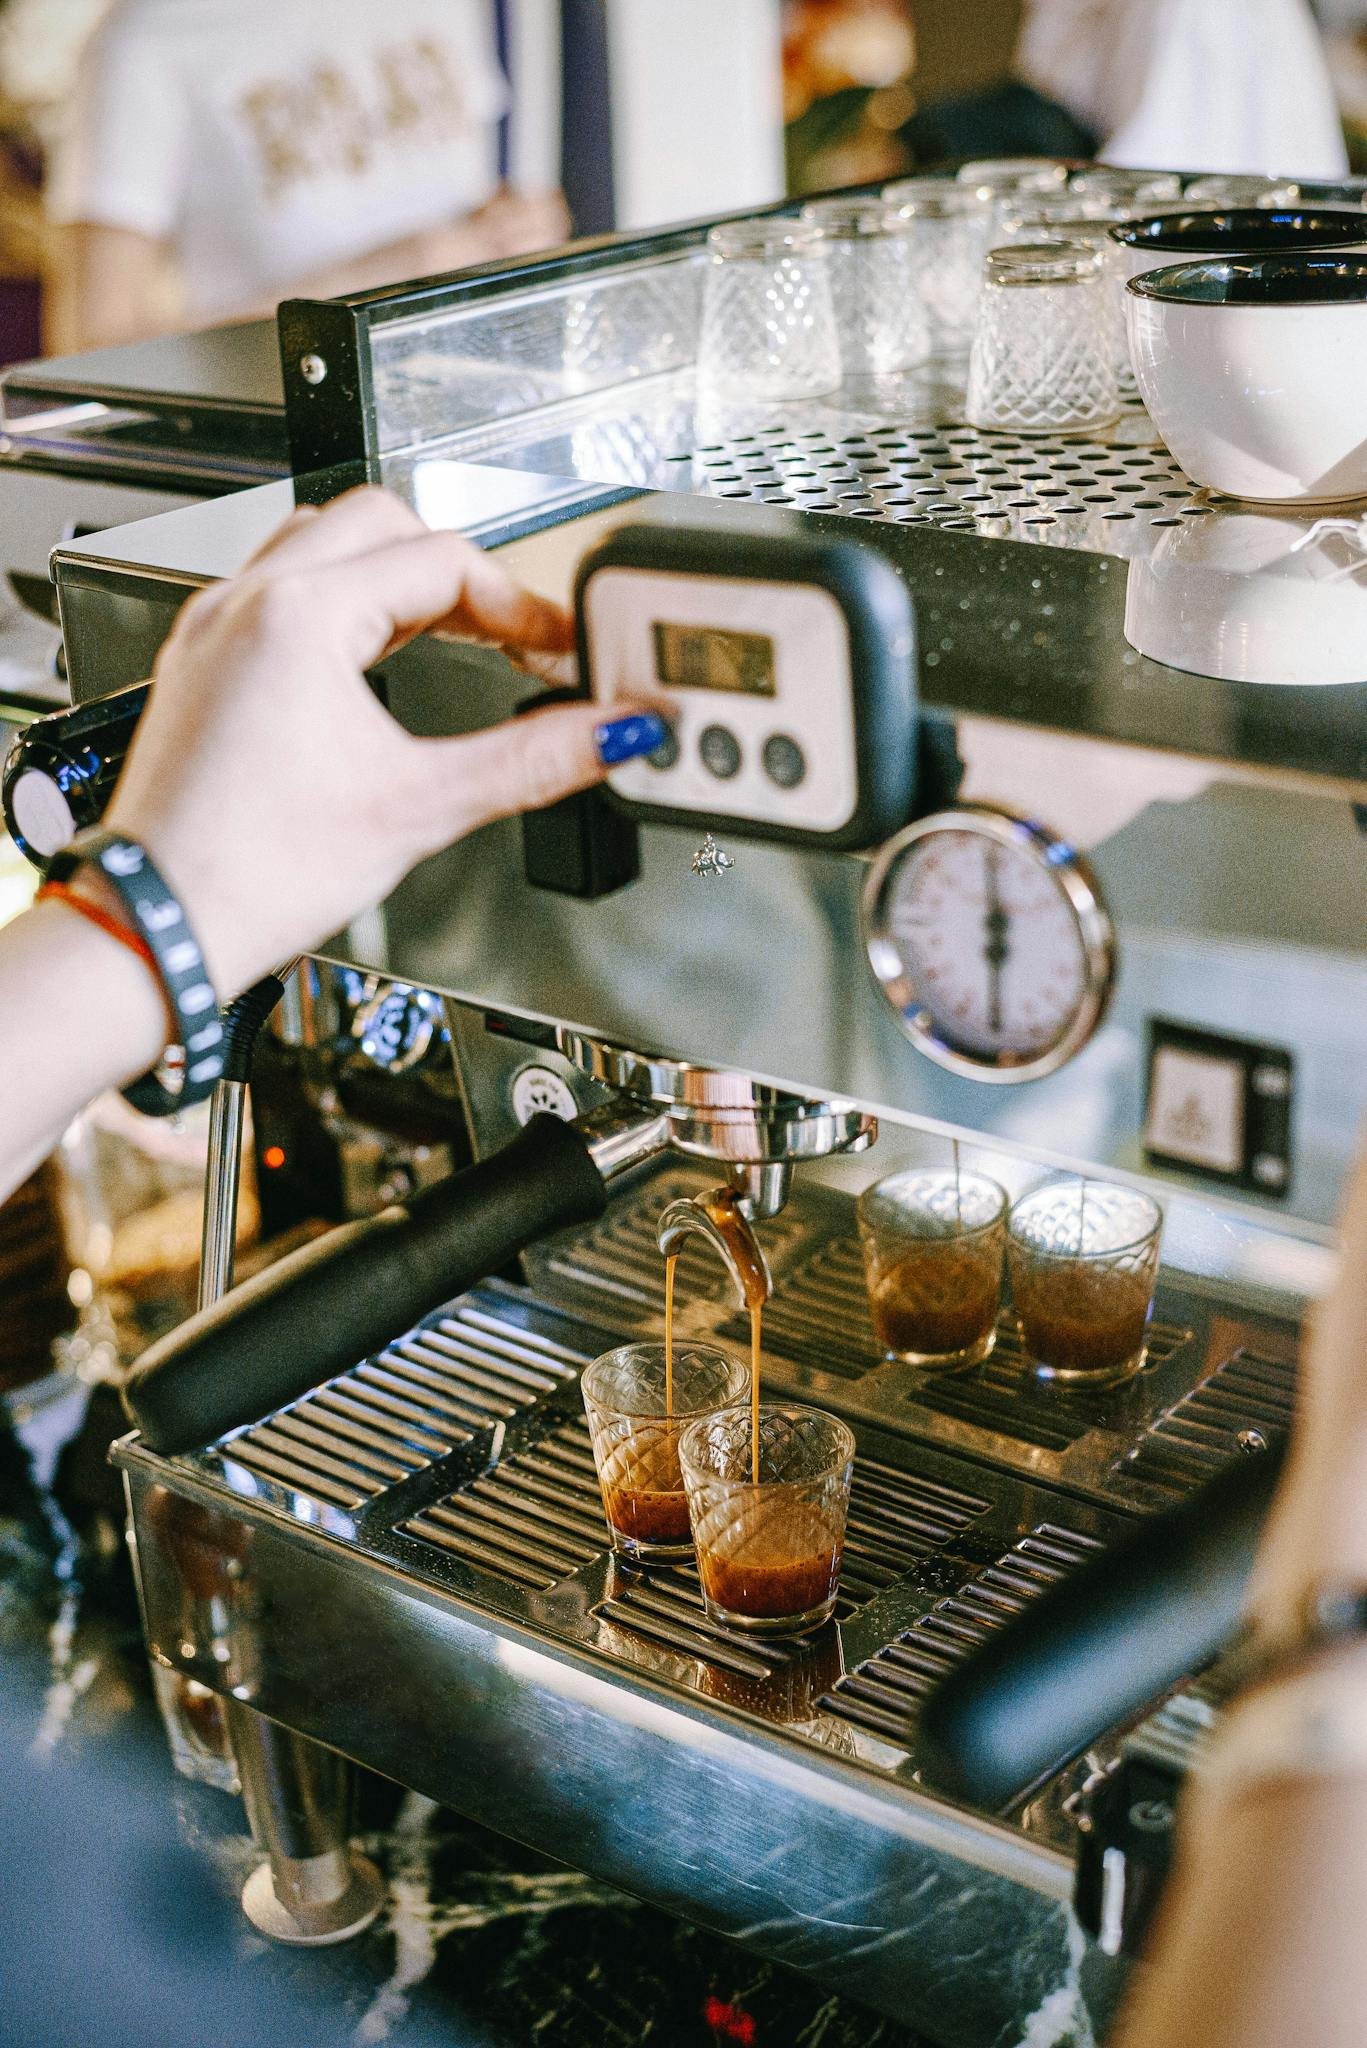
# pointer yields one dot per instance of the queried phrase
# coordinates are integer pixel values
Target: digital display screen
(714, 658)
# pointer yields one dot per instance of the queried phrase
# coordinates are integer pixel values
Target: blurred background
(168, 163)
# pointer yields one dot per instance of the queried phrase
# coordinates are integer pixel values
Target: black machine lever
(1148, 1611)
(323, 1308)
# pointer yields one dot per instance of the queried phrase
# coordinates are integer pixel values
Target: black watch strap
(157, 917)
(1328, 1617)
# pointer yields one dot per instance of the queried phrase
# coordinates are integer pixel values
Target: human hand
(516, 223)
(267, 782)
(1318, 1527)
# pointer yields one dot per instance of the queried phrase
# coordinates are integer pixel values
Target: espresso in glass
(769, 1549)
(932, 1245)
(638, 1406)
(1083, 1256)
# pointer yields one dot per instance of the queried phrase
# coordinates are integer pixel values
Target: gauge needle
(996, 952)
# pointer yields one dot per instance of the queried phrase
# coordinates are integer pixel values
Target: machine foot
(310, 1923)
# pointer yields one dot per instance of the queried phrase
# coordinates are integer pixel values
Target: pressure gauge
(990, 939)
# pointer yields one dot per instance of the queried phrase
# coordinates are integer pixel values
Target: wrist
(102, 980)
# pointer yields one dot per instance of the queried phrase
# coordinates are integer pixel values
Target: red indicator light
(732, 2022)
(273, 1156)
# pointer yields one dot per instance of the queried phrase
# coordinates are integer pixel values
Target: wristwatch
(176, 958)
(1327, 1617)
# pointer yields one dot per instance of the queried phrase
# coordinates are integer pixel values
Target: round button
(667, 753)
(720, 751)
(784, 761)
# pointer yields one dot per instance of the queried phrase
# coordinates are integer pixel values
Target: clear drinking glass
(1039, 219)
(1043, 356)
(950, 228)
(635, 1429)
(933, 1245)
(768, 1552)
(1127, 192)
(880, 316)
(1083, 1257)
(997, 177)
(768, 318)
(1230, 189)
(1062, 208)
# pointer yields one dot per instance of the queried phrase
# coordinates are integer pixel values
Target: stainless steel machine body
(410, 1565)
(116, 435)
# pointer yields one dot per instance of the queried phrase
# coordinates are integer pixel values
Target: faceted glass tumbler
(950, 229)
(1127, 192)
(1238, 189)
(880, 316)
(1044, 359)
(933, 1246)
(1045, 219)
(1000, 176)
(768, 1552)
(635, 1431)
(768, 317)
(1083, 1258)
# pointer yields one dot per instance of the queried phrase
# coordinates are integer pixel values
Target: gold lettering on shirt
(324, 121)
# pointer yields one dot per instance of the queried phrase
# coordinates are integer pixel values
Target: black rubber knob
(1148, 1611)
(324, 1308)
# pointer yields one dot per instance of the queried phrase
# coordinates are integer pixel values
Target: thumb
(529, 762)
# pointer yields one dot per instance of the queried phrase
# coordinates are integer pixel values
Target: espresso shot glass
(933, 1246)
(1083, 1258)
(635, 1427)
(769, 1549)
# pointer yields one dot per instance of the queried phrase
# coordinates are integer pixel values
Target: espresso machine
(361, 1496)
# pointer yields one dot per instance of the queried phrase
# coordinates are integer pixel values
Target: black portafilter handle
(322, 1309)
(1143, 1614)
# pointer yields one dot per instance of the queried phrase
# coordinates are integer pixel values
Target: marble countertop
(121, 1878)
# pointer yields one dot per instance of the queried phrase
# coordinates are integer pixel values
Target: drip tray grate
(1001, 1395)
(1246, 1404)
(536, 1518)
(896, 1520)
(454, 1377)
(883, 1693)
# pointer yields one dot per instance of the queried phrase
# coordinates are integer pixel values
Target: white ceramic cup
(1255, 597)
(1251, 369)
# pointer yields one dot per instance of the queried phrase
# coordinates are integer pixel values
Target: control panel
(785, 668)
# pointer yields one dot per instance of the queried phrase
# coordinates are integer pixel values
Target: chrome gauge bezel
(1073, 878)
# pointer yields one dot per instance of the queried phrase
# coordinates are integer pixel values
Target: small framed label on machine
(1219, 1106)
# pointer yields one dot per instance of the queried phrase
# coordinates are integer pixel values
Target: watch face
(991, 943)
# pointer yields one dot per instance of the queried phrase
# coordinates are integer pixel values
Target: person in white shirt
(220, 155)
(1197, 85)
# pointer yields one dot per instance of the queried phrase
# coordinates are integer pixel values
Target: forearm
(1260, 1943)
(1261, 1938)
(78, 1013)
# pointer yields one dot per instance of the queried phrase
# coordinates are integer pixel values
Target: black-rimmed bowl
(1252, 371)
(1165, 238)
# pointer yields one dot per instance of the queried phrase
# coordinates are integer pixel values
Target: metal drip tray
(883, 1692)
(1115, 493)
(508, 1519)
(454, 1378)
(1216, 1381)
(411, 1565)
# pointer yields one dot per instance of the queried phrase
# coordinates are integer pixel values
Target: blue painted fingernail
(623, 739)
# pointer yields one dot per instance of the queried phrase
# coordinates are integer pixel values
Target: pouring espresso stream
(718, 1217)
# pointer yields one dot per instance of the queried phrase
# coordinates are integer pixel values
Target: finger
(431, 580)
(526, 763)
(313, 536)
